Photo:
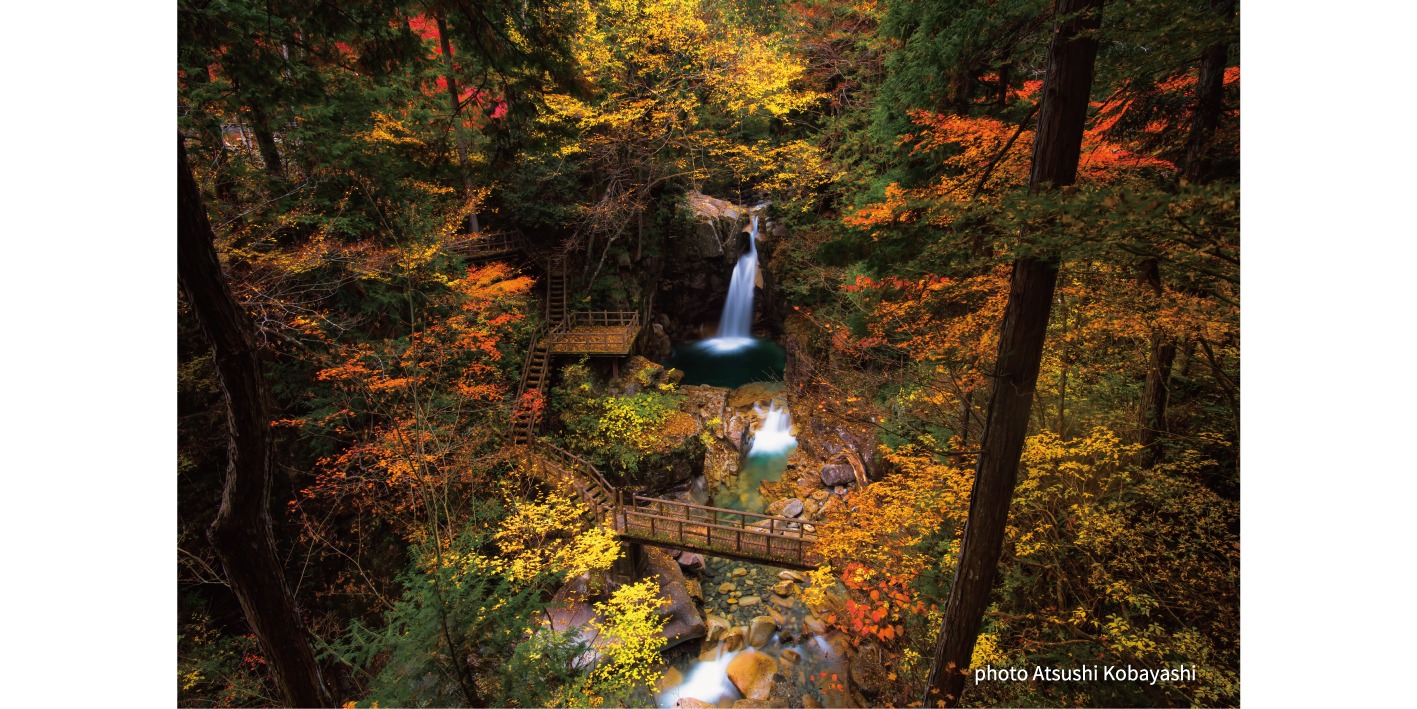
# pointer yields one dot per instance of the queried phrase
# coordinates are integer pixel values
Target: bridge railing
(600, 318)
(574, 464)
(486, 244)
(743, 534)
(536, 336)
(595, 331)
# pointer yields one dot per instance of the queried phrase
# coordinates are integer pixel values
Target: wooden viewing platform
(595, 332)
(744, 536)
(486, 246)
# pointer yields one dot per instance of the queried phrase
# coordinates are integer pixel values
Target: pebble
(732, 601)
(740, 571)
(726, 587)
(812, 625)
(746, 601)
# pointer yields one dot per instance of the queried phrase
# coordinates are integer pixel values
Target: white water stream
(735, 327)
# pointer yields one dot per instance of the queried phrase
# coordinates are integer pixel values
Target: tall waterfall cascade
(737, 318)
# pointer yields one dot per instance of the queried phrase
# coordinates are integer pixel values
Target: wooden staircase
(556, 290)
(536, 371)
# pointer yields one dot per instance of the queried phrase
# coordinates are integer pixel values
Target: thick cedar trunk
(1067, 86)
(241, 533)
(1156, 391)
(1210, 94)
(1151, 415)
(266, 140)
(455, 105)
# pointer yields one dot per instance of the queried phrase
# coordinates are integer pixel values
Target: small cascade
(707, 681)
(775, 437)
(806, 661)
(772, 444)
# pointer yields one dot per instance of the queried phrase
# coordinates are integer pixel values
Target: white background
(87, 366)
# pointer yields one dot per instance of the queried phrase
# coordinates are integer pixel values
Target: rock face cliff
(697, 265)
(684, 285)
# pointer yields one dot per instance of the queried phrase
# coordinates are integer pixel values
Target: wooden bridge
(745, 536)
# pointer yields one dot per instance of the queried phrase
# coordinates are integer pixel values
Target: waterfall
(707, 682)
(737, 320)
(775, 437)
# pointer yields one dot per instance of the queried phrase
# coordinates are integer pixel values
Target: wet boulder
(752, 673)
(691, 703)
(760, 631)
(684, 622)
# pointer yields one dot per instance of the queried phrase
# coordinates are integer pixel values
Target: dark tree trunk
(266, 140)
(1156, 391)
(1210, 94)
(1067, 86)
(455, 105)
(241, 533)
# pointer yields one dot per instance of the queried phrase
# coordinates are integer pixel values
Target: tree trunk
(1156, 391)
(266, 140)
(1210, 95)
(455, 105)
(241, 533)
(1067, 86)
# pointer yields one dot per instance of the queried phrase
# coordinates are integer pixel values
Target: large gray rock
(691, 561)
(717, 627)
(834, 474)
(684, 622)
(791, 508)
(571, 606)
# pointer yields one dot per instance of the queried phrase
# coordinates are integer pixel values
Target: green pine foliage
(461, 633)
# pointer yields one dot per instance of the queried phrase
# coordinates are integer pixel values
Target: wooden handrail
(598, 318)
(536, 336)
(739, 513)
(569, 460)
(754, 532)
(486, 244)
